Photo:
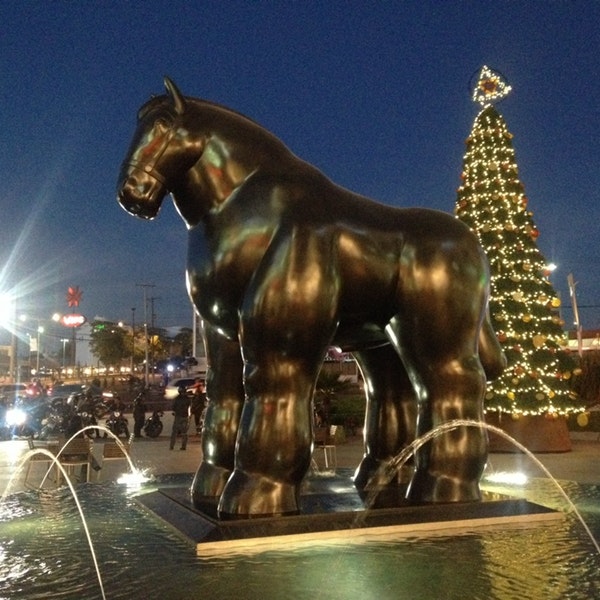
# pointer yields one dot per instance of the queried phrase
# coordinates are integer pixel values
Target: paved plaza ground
(582, 464)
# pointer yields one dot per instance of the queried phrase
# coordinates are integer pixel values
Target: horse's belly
(359, 336)
(216, 310)
(216, 305)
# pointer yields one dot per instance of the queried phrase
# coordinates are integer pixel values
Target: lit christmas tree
(523, 304)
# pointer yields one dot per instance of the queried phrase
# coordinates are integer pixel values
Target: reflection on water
(43, 553)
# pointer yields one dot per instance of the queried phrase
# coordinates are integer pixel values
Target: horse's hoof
(371, 473)
(377, 486)
(208, 484)
(428, 489)
(248, 496)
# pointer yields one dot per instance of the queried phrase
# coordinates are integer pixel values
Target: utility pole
(132, 339)
(152, 313)
(145, 287)
(14, 372)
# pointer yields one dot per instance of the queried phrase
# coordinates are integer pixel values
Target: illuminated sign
(74, 295)
(73, 320)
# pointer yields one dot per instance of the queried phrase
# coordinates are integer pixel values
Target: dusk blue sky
(375, 94)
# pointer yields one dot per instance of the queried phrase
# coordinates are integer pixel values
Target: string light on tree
(491, 87)
(491, 200)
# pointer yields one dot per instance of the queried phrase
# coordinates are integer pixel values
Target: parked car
(172, 389)
(10, 390)
(64, 390)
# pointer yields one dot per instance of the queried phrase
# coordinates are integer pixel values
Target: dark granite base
(332, 512)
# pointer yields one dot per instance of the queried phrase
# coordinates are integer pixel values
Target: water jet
(138, 553)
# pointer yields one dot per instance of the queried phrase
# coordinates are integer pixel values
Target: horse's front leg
(274, 444)
(286, 326)
(442, 361)
(225, 393)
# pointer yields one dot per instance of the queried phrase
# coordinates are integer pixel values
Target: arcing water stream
(55, 458)
(389, 470)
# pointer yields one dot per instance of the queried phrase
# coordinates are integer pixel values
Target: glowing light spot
(507, 477)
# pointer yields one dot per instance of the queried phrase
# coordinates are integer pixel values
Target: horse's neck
(203, 195)
(191, 200)
(233, 148)
(208, 186)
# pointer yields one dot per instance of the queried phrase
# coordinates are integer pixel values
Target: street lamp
(34, 342)
(8, 309)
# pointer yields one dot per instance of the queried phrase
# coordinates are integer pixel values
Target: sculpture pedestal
(537, 433)
(333, 513)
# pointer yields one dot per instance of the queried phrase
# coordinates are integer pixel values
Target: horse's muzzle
(140, 194)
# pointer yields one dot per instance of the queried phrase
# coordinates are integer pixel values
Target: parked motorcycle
(55, 422)
(24, 418)
(95, 404)
(88, 419)
(86, 407)
(117, 423)
(153, 426)
(100, 408)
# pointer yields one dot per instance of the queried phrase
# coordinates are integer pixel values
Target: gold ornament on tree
(583, 419)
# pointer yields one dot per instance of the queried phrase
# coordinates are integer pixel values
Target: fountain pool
(44, 553)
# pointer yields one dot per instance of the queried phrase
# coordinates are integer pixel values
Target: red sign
(74, 295)
(73, 320)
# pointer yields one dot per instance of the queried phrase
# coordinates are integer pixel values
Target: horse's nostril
(137, 209)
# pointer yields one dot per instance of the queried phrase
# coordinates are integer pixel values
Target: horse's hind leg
(390, 419)
(225, 393)
(440, 354)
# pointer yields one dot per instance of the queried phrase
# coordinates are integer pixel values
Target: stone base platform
(332, 512)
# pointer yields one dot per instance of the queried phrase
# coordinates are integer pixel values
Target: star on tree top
(491, 87)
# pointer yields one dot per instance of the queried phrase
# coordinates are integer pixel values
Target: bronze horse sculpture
(282, 264)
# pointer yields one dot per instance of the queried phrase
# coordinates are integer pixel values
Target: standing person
(139, 413)
(198, 403)
(181, 410)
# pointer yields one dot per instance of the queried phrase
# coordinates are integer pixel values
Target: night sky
(375, 94)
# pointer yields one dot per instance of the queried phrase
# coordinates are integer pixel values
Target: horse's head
(161, 151)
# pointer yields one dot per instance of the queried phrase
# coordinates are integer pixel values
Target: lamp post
(23, 318)
(34, 341)
(64, 344)
(40, 330)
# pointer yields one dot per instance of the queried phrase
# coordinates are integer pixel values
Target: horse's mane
(199, 103)
(251, 123)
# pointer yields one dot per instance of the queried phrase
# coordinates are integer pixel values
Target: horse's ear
(176, 96)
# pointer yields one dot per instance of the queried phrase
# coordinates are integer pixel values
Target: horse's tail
(490, 352)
